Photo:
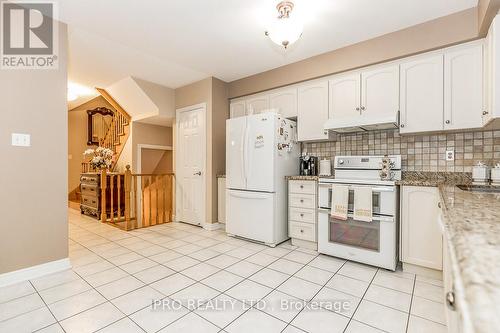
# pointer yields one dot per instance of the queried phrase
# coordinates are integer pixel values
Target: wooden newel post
(104, 183)
(128, 182)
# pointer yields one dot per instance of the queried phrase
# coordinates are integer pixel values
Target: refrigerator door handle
(245, 154)
(242, 157)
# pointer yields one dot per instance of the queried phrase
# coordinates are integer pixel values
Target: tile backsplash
(422, 152)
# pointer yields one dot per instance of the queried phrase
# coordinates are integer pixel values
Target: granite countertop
(416, 178)
(471, 222)
(221, 176)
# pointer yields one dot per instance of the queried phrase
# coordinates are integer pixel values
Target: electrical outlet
(450, 155)
(21, 140)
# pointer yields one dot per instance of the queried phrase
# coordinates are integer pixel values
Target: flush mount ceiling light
(286, 29)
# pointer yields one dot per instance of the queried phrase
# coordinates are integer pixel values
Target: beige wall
(214, 93)
(448, 30)
(148, 134)
(77, 138)
(33, 180)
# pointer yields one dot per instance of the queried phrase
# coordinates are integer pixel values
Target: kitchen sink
(480, 188)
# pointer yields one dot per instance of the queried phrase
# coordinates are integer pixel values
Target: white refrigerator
(261, 150)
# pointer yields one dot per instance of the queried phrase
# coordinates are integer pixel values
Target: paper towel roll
(325, 167)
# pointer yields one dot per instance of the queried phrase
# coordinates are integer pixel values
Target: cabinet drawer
(90, 179)
(302, 186)
(304, 231)
(90, 201)
(302, 201)
(90, 190)
(302, 215)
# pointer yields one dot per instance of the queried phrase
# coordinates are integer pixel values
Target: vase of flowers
(100, 158)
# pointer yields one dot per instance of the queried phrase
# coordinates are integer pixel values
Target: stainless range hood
(363, 123)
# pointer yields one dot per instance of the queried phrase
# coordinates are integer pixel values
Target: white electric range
(373, 243)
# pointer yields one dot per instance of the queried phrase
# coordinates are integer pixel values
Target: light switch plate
(450, 155)
(21, 140)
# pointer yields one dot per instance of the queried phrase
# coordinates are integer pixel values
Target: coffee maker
(308, 165)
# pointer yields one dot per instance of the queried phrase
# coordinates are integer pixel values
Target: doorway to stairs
(154, 159)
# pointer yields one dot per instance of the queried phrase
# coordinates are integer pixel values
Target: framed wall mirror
(99, 122)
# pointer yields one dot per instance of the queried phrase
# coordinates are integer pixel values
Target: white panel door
(380, 91)
(345, 96)
(237, 109)
(422, 94)
(463, 87)
(421, 239)
(257, 104)
(260, 151)
(284, 102)
(312, 112)
(236, 134)
(191, 169)
(251, 215)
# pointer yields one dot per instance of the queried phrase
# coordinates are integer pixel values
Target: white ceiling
(175, 42)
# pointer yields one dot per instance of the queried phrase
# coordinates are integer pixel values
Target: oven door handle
(374, 189)
(375, 217)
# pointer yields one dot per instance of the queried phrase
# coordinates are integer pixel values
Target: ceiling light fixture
(285, 30)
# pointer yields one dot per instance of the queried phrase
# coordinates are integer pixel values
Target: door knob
(197, 174)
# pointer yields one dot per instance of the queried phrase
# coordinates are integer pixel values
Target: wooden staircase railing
(130, 201)
(117, 132)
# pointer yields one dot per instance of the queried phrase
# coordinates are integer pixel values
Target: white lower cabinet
(421, 238)
(302, 213)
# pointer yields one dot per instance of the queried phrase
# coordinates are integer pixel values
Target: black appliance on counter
(308, 165)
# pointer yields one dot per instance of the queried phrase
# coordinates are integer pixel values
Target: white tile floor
(116, 275)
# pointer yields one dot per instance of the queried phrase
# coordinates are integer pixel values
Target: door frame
(178, 157)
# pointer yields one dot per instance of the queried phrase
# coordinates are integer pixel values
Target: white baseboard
(34, 272)
(424, 271)
(212, 226)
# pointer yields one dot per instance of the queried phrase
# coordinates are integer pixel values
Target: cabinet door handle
(485, 113)
(302, 231)
(357, 109)
(363, 108)
(301, 200)
(301, 214)
(447, 121)
(402, 125)
(450, 300)
(439, 204)
(301, 186)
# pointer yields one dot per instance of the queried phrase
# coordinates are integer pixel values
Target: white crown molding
(34, 272)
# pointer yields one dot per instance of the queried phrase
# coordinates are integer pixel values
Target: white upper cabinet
(492, 72)
(345, 96)
(463, 86)
(312, 111)
(237, 108)
(421, 93)
(257, 104)
(285, 102)
(380, 91)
